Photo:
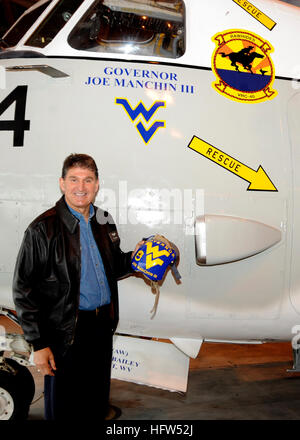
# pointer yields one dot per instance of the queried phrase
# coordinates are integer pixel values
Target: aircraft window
(142, 27)
(53, 23)
(21, 27)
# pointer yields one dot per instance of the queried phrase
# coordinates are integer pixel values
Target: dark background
(10, 10)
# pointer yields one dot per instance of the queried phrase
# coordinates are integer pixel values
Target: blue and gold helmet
(154, 257)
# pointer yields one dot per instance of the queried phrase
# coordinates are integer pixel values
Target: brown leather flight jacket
(46, 285)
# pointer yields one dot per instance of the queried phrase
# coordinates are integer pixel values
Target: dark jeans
(80, 388)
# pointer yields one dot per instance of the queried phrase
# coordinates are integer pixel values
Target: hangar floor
(226, 382)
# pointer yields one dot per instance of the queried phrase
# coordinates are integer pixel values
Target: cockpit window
(53, 23)
(142, 27)
(15, 34)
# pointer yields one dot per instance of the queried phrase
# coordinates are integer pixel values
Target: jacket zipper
(77, 304)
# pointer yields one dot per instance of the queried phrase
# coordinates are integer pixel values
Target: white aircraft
(191, 110)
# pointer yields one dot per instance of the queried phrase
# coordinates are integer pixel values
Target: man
(66, 296)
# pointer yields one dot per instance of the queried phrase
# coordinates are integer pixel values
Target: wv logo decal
(156, 253)
(145, 132)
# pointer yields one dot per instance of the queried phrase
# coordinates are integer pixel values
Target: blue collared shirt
(94, 288)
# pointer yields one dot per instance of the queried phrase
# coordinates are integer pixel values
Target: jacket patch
(114, 236)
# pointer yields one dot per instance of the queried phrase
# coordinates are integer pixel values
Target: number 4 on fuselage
(19, 124)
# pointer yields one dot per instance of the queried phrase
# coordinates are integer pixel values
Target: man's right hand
(44, 361)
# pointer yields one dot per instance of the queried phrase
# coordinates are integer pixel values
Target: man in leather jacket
(66, 295)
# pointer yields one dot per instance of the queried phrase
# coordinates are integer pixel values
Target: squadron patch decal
(243, 66)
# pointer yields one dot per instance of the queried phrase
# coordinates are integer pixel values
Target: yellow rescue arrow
(259, 180)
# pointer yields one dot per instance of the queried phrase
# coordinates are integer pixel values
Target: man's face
(80, 187)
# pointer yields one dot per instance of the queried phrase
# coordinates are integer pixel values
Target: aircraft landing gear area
(254, 380)
(16, 390)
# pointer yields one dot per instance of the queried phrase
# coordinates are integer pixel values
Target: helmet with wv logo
(152, 259)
